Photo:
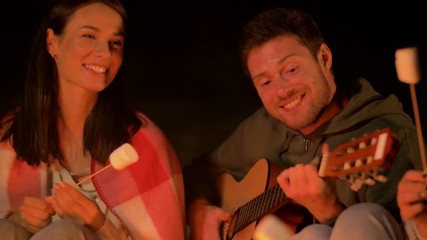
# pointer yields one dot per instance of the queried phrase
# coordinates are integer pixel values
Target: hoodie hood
(366, 105)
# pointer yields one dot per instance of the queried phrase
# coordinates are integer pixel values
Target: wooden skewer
(418, 125)
(93, 174)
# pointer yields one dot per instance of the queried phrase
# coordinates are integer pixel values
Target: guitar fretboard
(266, 202)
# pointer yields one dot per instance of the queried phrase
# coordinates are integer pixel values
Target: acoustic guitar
(359, 162)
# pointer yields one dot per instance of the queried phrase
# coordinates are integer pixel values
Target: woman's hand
(34, 214)
(412, 197)
(69, 202)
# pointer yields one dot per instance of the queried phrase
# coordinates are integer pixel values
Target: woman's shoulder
(148, 124)
(150, 140)
(149, 130)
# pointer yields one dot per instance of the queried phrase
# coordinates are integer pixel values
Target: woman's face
(89, 52)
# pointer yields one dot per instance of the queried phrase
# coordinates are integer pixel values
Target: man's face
(293, 85)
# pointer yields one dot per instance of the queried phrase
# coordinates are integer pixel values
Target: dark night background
(181, 64)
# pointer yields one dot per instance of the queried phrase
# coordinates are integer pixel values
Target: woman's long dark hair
(33, 127)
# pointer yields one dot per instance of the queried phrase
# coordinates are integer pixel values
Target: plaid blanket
(147, 196)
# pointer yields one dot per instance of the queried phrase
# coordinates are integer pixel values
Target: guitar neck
(270, 200)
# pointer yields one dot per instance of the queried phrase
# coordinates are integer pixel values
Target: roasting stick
(406, 60)
(120, 158)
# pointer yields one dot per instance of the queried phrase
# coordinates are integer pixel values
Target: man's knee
(366, 211)
(366, 217)
(314, 231)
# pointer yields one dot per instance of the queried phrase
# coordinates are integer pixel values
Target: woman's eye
(264, 83)
(292, 70)
(117, 43)
(91, 36)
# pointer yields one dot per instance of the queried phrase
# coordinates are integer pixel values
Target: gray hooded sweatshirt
(262, 137)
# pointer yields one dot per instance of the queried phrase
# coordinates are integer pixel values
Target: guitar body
(234, 194)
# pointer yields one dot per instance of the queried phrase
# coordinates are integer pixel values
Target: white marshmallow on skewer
(123, 156)
(408, 72)
(406, 61)
(120, 158)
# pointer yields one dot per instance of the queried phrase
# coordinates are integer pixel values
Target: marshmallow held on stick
(120, 158)
(123, 156)
(406, 61)
(408, 71)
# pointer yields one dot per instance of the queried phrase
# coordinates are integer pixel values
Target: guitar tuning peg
(365, 178)
(378, 177)
(362, 145)
(369, 181)
(356, 186)
(381, 178)
(358, 183)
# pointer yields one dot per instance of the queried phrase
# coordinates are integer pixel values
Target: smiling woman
(72, 117)
(88, 52)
